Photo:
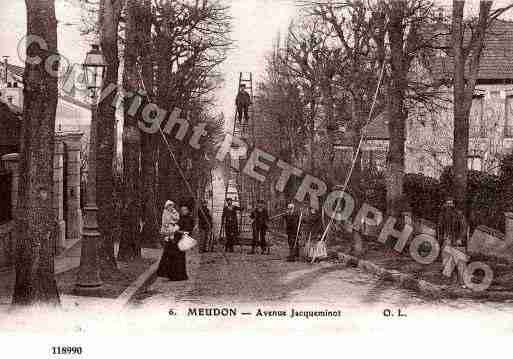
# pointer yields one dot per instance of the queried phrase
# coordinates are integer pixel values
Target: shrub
(422, 193)
(373, 187)
(481, 200)
(505, 188)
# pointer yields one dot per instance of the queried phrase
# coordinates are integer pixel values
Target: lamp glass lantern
(94, 68)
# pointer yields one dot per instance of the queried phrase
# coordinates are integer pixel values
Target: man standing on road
(230, 223)
(451, 229)
(205, 226)
(292, 228)
(452, 226)
(313, 229)
(260, 218)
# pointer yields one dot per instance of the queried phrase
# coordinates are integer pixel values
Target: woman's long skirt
(172, 263)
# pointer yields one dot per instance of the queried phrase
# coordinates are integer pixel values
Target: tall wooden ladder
(237, 187)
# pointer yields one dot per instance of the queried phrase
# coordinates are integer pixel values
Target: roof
(10, 128)
(9, 108)
(497, 58)
(74, 101)
(377, 129)
(19, 71)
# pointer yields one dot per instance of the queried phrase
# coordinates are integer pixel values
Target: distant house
(10, 128)
(72, 114)
(430, 135)
(374, 145)
(71, 134)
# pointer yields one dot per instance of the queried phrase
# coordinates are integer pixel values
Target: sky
(256, 24)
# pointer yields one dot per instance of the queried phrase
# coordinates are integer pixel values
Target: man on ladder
(242, 102)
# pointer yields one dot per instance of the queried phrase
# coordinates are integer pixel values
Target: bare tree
(406, 24)
(35, 217)
(299, 67)
(190, 41)
(468, 41)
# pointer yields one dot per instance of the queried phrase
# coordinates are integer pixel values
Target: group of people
(230, 224)
(179, 222)
(299, 228)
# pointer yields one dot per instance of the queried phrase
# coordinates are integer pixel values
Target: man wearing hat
(230, 223)
(451, 230)
(260, 218)
(292, 228)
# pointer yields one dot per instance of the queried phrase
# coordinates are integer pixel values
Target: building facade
(71, 133)
(430, 135)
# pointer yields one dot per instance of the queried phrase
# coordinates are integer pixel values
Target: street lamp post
(89, 271)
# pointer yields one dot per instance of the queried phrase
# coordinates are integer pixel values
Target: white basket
(186, 243)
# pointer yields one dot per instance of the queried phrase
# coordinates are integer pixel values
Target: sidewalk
(69, 260)
(382, 260)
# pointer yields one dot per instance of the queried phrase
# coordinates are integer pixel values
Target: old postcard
(254, 169)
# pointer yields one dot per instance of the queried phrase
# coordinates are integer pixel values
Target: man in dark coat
(230, 223)
(313, 225)
(205, 226)
(260, 218)
(292, 228)
(451, 231)
(242, 101)
(452, 226)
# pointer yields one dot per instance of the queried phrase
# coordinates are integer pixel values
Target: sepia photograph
(255, 169)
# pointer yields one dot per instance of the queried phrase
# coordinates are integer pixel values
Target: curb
(146, 277)
(422, 286)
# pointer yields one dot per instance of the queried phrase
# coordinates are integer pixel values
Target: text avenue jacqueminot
(261, 313)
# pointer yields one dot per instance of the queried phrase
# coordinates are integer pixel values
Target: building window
(15, 84)
(508, 119)
(477, 126)
(474, 162)
(9, 99)
(421, 165)
(9, 84)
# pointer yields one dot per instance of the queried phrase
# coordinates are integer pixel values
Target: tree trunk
(396, 112)
(129, 245)
(150, 232)
(466, 67)
(35, 217)
(109, 15)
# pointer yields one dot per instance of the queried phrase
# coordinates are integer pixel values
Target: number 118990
(66, 350)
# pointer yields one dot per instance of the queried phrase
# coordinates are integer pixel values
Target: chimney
(6, 63)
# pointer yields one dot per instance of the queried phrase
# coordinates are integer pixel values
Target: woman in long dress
(172, 263)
